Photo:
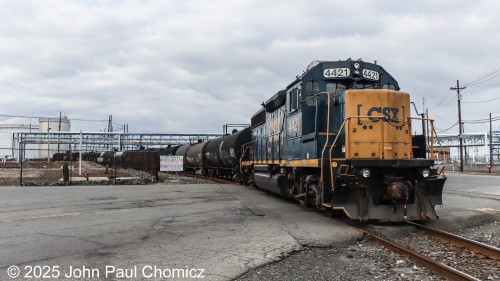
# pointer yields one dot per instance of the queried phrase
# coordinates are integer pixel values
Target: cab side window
(311, 92)
(293, 98)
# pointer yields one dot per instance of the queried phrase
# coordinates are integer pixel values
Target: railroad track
(437, 267)
(217, 180)
(478, 247)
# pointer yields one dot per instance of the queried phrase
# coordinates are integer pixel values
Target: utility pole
(110, 123)
(424, 128)
(59, 140)
(491, 147)
(110, 126)
(460, 125)
(428, 128)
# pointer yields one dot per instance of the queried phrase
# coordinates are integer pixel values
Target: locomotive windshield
(335, 88)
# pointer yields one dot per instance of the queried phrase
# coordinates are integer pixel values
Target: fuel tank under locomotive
(266, 178)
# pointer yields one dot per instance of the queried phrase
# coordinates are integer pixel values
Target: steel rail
(217, 180)
(439, 268)
(478, 247)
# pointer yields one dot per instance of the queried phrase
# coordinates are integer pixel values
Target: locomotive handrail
(333, 145)
(244, 148)
(433, 134)
(439, 142)
(327, 138)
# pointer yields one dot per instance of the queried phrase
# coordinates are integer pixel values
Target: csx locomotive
(340, 137)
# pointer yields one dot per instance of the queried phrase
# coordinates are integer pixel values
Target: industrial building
(9, 128)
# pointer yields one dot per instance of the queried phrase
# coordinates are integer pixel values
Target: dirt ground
(43, 173)
(46, 173)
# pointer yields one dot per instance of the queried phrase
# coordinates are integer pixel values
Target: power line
(88, 120)
(36, 117)
(484, 80)
(447, 129)
(481, 80)
(479, 121)
(443, 99)
(478, 81)
(21, 116)
(481, 101)
(447, 117)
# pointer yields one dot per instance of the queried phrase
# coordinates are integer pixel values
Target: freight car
(223, 154)
(65, 156)
(340, 137)
(75, 156)
(218, 157)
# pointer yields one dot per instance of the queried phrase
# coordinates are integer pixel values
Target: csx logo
(389, 114)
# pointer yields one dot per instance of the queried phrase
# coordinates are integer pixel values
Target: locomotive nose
(396, 190)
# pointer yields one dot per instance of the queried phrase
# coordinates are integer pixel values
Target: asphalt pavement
(157, 232)
(219, 231)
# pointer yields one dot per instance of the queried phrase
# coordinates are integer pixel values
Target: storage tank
(52, 125)
(7, 127)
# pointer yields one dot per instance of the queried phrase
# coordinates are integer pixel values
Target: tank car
(108, 158)
(223, 154)
(181, 151)
(213, 160)
(196, 159)
(168, 150)
(90, 156)
(339, 137)
(231, 151)
(144, 160)
(65, 156)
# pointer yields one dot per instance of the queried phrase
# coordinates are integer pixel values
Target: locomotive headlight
(366, 173)
(426, 173)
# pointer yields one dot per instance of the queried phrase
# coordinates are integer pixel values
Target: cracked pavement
(224, 229)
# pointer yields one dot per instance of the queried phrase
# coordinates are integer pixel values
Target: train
(338, 137)
(219, 157)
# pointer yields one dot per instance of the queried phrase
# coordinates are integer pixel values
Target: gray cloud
(191, 66)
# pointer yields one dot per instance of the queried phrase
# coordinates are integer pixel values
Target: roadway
(223, 229)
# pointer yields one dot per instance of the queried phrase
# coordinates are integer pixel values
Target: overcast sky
(191, 66)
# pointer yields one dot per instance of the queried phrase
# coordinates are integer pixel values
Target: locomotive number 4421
(370, 74)
(336, 72)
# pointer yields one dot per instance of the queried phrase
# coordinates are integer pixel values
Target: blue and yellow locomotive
(339, 137)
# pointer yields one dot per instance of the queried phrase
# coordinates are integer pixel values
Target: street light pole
(48, 145)
(491, 147)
